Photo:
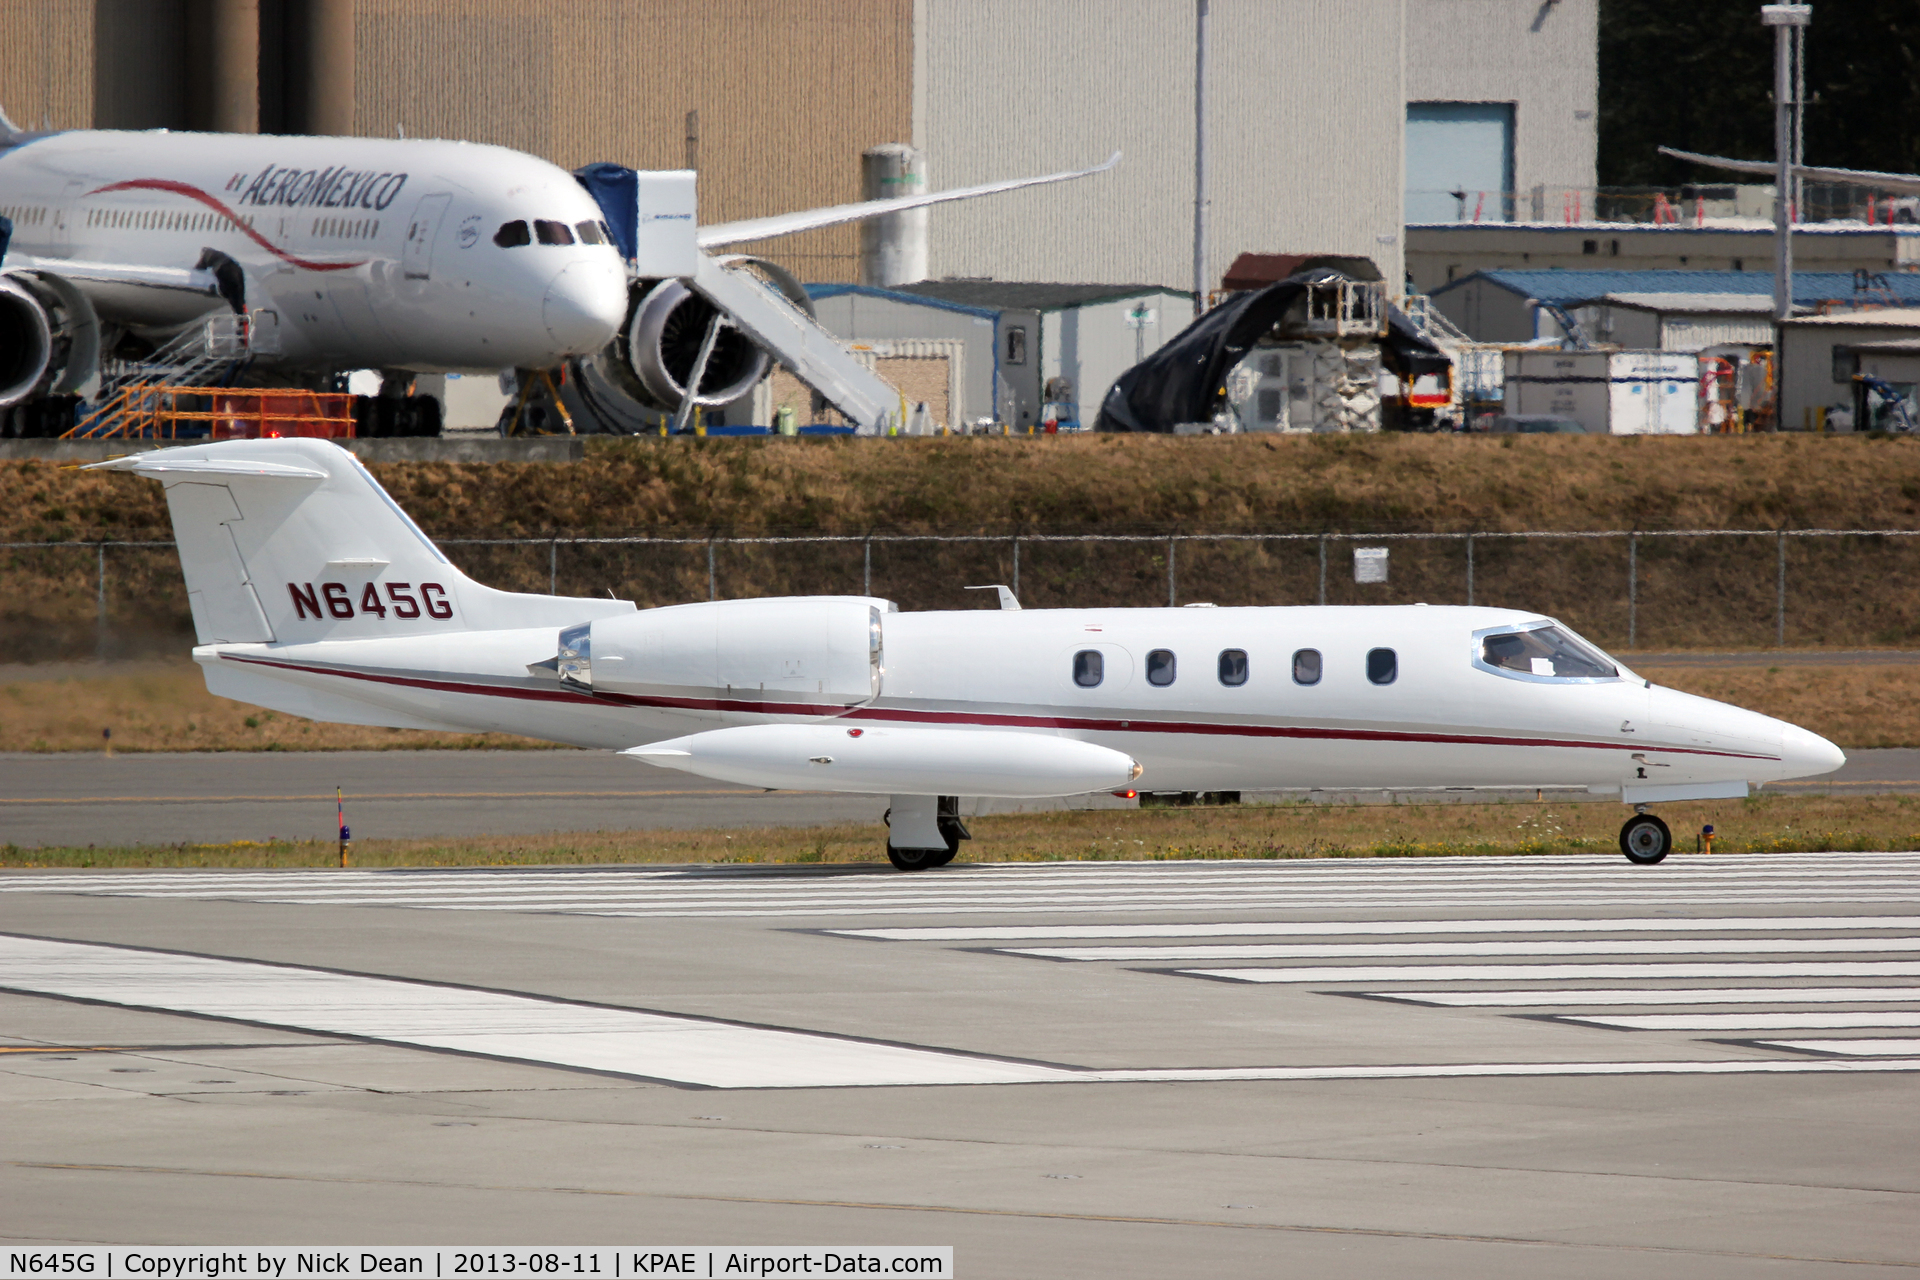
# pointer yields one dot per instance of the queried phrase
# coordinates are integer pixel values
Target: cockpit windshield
(1545, 651)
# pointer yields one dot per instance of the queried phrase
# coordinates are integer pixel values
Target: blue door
(1459, 162)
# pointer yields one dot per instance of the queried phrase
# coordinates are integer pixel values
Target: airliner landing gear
(1645, 839)
(922, 821)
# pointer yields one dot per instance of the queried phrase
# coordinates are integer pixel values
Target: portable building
(1029, 349)
(1823, 359)
(1622, 393)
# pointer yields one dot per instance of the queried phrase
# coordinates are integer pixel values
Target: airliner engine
(26, 342)
(49, 337)
(668, 324)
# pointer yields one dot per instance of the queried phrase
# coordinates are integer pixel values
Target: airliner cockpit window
(1546, 651)
(550, 232)
(512, 235)
(590, 233)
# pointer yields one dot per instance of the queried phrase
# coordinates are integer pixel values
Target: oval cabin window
(1089, 668)
(1383, 665)
(1306, 666)
(1160, 667)
(1233, 666)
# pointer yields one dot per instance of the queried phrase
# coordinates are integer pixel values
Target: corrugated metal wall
(1307, 116)
(788, 92)
(46, 63)
(1544, 58)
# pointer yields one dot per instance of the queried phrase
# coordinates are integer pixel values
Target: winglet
(8, 129)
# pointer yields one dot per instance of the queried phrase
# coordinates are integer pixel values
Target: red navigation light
(1128, 794)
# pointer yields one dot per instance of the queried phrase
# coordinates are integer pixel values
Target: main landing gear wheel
(952, 830)
(1645, 839)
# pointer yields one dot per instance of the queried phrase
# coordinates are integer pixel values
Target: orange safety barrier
(209, 413)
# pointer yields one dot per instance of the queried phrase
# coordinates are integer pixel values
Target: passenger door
(417, 259)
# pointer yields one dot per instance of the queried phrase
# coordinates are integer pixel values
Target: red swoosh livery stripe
(195, 193)
(997, 720)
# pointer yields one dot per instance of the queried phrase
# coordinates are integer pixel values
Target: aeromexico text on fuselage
(334, 188)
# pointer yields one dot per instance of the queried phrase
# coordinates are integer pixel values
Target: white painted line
(1329, 928)
(660, 1046)
(1563, 972)
(488, 1023)
(1857, 1047)
(1559, 947)
(1612, 996)
(1818, 1020)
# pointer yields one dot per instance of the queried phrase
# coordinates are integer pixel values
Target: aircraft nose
(1804, 754)
(585, 306)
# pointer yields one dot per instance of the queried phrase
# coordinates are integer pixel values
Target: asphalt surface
(169, 798)
(1348, 1068)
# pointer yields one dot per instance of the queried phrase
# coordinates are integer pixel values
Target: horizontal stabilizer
(160, 464)
(907, 760)
(785, 224)
(1907, 183)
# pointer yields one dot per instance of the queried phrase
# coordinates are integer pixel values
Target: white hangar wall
(1307, 115)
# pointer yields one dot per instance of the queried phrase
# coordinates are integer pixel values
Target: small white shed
(1622, 393)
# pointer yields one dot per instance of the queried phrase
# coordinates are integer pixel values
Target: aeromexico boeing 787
(356, 253)
(313, 593)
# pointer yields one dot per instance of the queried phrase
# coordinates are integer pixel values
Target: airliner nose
(585, 306)
(1805, 754)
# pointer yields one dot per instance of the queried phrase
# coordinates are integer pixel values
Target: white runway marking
(661, 1046)
(1565, 972)
(1859, 1047)
(1543, 947)
(1722, 1023)
(1378, 885)
(1336, 928)
(1575, 996)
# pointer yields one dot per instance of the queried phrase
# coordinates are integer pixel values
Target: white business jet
(343, 253)
(312, 593)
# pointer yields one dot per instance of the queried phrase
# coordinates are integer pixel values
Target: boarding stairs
(797, 341)
(1479, 368)
(200, 356)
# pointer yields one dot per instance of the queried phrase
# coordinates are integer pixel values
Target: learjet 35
(314, 594)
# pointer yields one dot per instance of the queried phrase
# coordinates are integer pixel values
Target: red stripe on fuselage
(195, 193)
(985, 720)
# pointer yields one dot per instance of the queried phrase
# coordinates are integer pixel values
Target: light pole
(1200, 278)
(1789, 23)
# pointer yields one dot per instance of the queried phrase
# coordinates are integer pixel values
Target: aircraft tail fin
(293, 541)
(8, 129)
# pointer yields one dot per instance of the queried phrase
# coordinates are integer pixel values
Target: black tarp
(1184, 381)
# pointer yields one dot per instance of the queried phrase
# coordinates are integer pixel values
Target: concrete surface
(178, 1067)
(167, 798)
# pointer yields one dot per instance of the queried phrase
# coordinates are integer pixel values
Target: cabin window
(1160, 666)
(590, 233)
(1233, 667)
(512, 235)
(1306, 666)
(1089, 668)
(551, 232)
(1547, 652)
(1382, 665)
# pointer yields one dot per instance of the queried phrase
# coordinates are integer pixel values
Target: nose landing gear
(1645, 839)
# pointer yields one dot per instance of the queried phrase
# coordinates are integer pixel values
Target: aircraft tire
(917, 859)
(1645, 839)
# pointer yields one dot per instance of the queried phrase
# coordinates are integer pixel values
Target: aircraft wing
(138, 294)
(785, 224)
(1907, 183)
(133, 275)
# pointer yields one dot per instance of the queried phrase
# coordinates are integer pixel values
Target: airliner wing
(1909, 183)
(132, 275)
(785, 224)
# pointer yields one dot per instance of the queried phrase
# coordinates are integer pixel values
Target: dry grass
(164, 706)
(1760, 824)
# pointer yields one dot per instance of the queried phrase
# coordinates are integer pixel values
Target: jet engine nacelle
(817, 655)
(654, 355)
(49, 337)
(26, 342)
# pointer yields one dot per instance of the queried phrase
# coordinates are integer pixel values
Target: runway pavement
(170, 798)
(1442, 1067)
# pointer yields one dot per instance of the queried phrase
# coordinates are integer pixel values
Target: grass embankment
(164, 706)
(1760, 824)
(1692, 593)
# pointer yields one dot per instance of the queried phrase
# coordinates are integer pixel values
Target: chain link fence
(1687, 588)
